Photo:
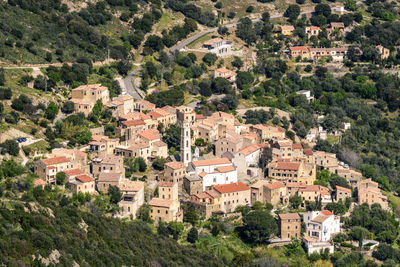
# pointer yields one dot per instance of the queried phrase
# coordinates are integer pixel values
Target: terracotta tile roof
(250, 149)
(94, 87)
(287, 27)
(210, 162)
(298, 48)
(259, 184)
(274, 185)
(314, 28)
(315, 188)
(296, 184)
(133, 123)
(159, 144)
(308, 152)
(145, 103)
(149, 135)
(320, 218)
(175, 165)
(128, 185)
(327, 212)
(259, 127)
(289, 216)
(213, 41)
(297, 146)
(348, 190)
(158, 202)
(229, 188)
(39, 182)
(55, 160)
(162, 111)
(84, 178)
(154, 114)
(202, 174)
(223, 70)
(109, 177)
(199, 117)
(137, 145)
(166, 184)
(368, 181)
(226, 169)
(73, 172)
(292, 166)
(80, 153)
(108, 159)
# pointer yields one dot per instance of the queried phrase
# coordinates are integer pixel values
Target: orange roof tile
(128, 185)
(166, 184)
(73, 172)
(226, 169)
(308, 152)
(208, 162)
(175, 165)
(109, 177)
(292, 166)
(158, 202)
(229, 188)
(348, 190)
(133, 123)
(39, 182)
(274, 185)
(289, 216)
(222, 70)
(55, 160)
(202, 174)
(298, 48)
(250, 149)
(149, 135)
(327, 212)
(297, 146)
(296, 184)
(84, 178)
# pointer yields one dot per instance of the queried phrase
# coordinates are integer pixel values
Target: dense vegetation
(42, 221)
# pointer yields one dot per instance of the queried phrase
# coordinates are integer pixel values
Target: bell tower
(186, 149)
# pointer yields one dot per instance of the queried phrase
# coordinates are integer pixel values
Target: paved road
(129, 86)
(185, 42)
(189, 40)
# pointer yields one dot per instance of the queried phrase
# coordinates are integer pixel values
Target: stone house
(289, 225)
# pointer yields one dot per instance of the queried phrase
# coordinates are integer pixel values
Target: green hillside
(43, 222)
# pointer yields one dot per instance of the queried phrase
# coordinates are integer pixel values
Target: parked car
(21, 139)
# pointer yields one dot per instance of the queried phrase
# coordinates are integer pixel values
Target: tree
(190, 216)
(68, 107)
(250, 9)
(231, 101)
(265, 158)
(141, 164)
(60, 178)
(158, 163)
(51, 111)
(115, 194)
(258, 227)
(296, 201)
(176, 229)
(2, 77)
(245, 31)
(323, 9)
(244, 79)
(292, 12)
(337, 208)
(193, 235)
(210, 58)
(124, 66)
(144, 213)
(359, 233)
(11, 147)
(84, 137)
(237, 62)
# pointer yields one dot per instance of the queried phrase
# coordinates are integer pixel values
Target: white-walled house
(215, 172)
(321, 225)
(247, 157)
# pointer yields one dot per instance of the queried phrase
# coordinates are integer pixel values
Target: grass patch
(332, 139)
(39, 146)
(168, 20)
(200, 40)
(394, 202)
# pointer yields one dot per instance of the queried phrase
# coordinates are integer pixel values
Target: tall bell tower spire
(186, 149)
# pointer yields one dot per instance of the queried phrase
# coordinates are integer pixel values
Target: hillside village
(213, 183)
(261, 133)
